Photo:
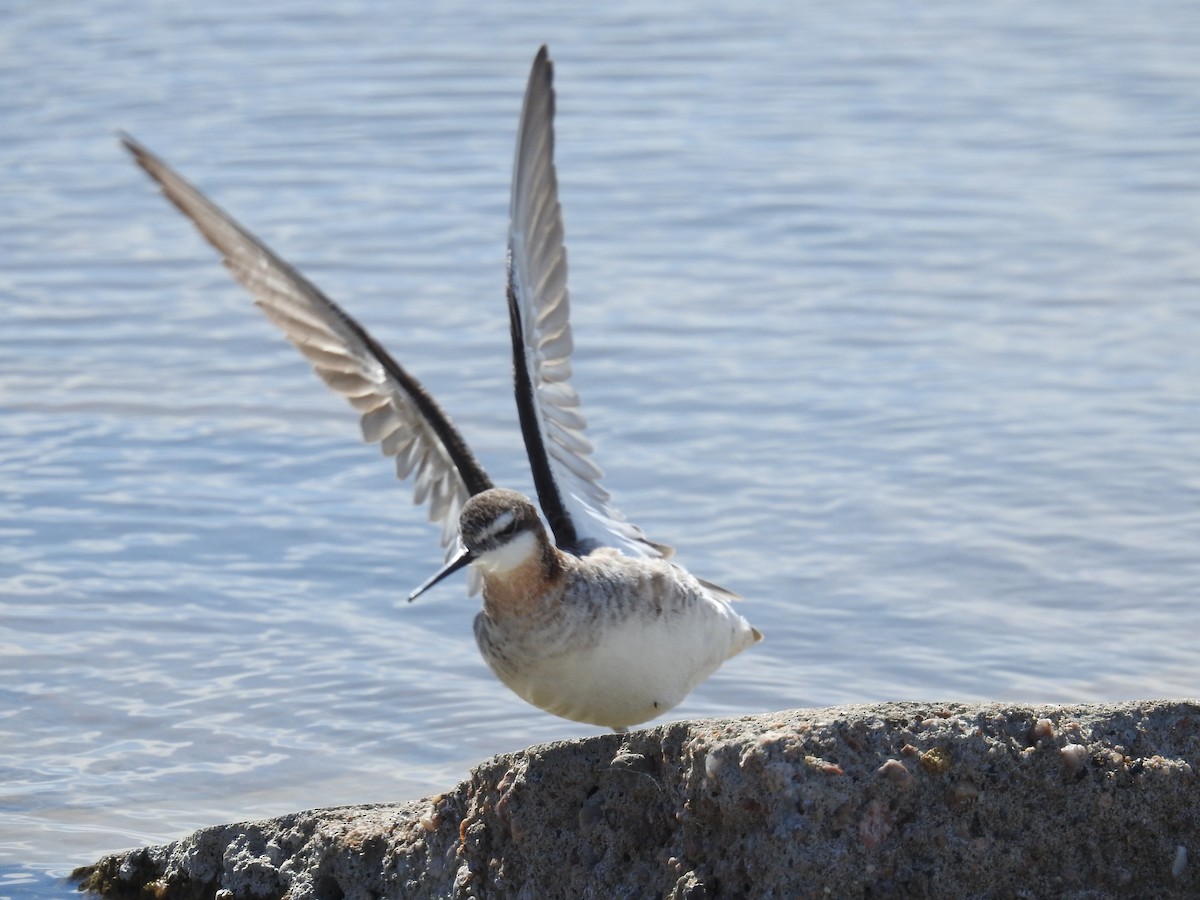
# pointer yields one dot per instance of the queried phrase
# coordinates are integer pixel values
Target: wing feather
(567, 480)
(396, 410)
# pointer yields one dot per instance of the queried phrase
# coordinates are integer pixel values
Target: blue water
(886, 317)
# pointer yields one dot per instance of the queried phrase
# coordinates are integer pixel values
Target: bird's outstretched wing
(397, 412)
(567, 480)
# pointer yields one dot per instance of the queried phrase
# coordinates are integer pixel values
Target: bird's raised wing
(566, 478)
(397, 412)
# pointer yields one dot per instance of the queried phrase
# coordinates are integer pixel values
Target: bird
(589, 620)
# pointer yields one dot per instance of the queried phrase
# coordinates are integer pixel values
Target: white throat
(511, 555)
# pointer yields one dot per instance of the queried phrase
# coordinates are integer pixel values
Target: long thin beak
(463, 557)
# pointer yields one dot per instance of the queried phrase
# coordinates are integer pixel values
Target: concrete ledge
(929, 800)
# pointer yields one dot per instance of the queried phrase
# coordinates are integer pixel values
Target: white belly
(617, 670)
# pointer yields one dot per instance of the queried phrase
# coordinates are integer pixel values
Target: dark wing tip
(543, 67)
(136, 150)
(152, 166)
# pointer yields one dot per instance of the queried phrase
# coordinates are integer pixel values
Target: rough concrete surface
(894, 800)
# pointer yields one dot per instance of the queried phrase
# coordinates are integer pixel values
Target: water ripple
(888, 322)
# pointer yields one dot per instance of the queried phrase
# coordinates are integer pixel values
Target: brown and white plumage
(596, 625)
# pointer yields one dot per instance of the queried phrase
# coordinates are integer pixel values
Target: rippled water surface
(886, 316)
